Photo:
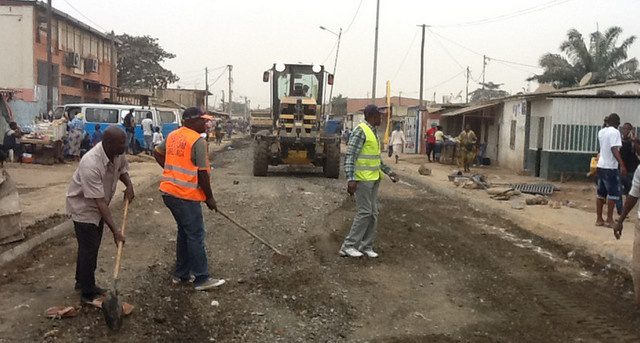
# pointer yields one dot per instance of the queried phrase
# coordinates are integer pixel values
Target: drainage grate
(534, 188)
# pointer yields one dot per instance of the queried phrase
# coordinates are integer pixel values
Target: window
(101, 115)
(167, 117)
(139, 115)
(70, 81)
(512, 137)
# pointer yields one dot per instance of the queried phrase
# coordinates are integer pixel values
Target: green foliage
(139, 60)
(339, 105)
(602, 57)
(490, 91)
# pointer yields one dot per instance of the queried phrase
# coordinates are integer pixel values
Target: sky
(251, 35)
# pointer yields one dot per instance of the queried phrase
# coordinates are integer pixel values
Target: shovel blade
(112, 310)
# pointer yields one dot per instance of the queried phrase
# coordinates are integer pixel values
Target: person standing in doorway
(364, 169)
(468, 140)
(129, 124)
(397, 141)
(90, 191)
(147, 131)
(431, 141)
(607, 170)
(185, 184)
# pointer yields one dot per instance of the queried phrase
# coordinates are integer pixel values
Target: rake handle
(250, 233)
(116, 268)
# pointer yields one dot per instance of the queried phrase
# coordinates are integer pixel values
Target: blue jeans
(608, 184)
(191, 255)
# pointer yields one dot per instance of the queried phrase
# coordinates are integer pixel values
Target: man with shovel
(184, 185)
(90, 191)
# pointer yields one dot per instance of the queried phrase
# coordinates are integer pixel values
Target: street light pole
(335, 64)
(375, 55)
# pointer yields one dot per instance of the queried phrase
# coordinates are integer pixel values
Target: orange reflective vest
(180, 175)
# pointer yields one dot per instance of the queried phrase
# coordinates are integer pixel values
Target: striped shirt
(354, 146)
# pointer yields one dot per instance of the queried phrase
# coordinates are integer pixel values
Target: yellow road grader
(297, 135)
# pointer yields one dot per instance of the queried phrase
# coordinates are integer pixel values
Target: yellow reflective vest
(367, 166)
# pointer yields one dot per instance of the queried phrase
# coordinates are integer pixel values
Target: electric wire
(447, 51)
(85, 17)
(447, 80)
(405, 55)
(506, 16)
(354, 17)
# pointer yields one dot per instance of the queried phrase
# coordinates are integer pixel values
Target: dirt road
(446, 273)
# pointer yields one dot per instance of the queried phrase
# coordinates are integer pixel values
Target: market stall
(44, 144)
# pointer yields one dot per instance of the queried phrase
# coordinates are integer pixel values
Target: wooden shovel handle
(116, 269)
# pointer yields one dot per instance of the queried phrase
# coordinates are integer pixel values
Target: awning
(470, 109)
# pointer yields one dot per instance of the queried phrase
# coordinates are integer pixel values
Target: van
(168, 119)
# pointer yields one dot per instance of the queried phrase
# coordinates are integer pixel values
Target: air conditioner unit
(91, 65)
(73, 60)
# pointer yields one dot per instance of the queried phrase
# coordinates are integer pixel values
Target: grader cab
(297, 135)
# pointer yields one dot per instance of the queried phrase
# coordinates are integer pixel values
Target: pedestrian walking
(184, 185)
(90, 191)
(468, 140)
(608, 175)
(397, 141)
(364, 169)
(629, 154)
(129, 124)
(157, 137)
(147, 132)
(431, 141)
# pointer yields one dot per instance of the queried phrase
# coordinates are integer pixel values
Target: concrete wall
(16, 43)
(508, 157)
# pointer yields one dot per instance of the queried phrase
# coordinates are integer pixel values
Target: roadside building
(183, 96)
(550, 134)
(83, 59)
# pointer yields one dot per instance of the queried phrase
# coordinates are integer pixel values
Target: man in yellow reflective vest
(364, 169)
(184, 185)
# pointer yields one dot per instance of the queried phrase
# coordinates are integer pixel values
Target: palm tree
(601, 57)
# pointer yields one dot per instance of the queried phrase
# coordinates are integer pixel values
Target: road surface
(446, 273)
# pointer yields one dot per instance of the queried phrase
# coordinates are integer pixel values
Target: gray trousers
(365, 224)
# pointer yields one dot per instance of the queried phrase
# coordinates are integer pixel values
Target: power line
(330, 53)
(405, 55)
(447, 80)
(85, 17)
(354, 17)
(446, 50)
(506, 16)
(479, 53)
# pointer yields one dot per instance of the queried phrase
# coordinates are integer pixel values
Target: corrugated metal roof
(470, 109)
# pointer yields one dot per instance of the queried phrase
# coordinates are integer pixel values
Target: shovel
(250, 233)
(112, 307)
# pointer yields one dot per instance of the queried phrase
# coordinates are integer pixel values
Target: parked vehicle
(168, 119)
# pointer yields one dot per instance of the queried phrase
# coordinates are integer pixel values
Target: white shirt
(157, 138)
(147, 126)
(608, 137)
(397, 137)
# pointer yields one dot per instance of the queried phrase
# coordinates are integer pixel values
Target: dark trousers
(89, 237)
(191, 255)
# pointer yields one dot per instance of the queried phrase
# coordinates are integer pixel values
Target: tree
(339, 105)
(489, 91)
(139, 61)
(602, 57)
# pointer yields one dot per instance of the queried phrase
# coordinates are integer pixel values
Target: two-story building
(83, 59)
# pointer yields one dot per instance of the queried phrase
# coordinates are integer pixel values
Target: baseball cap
(371, 110)
(195, 113)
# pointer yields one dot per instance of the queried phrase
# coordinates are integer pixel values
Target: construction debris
(504, 193)
(536, 200)
(424, 170)
(535, 188)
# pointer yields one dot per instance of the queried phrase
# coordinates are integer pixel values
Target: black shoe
(88, 298)
(95, 290)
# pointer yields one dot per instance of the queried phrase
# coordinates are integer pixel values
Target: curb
(524, 222)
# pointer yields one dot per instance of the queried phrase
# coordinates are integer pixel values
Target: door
(411, 134)
(539, 144)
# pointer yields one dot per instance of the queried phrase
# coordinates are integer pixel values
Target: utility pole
(335, 64)
(230, 91)
(421, 106)
(49, 61)
(222, 99)
(114, 68)
(375, 54)
(484, 68)
(206, 89)
(467, 90)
